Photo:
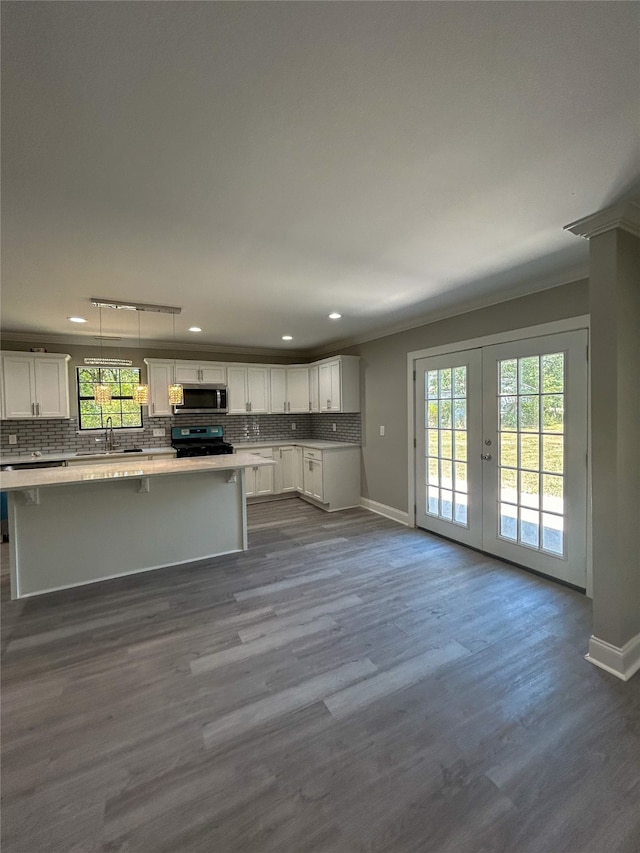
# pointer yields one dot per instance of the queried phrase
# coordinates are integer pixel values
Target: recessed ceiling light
(195, 329)
(335, 316)
(77, 319)
(287, 338)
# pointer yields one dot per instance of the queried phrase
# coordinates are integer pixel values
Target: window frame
(116, 397)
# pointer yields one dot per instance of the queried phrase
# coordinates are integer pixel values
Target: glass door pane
(534, 485)
(448, 400)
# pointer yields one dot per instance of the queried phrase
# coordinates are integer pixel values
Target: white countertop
(315, 443)
(126, 469)
(73, 454)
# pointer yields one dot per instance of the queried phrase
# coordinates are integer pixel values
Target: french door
(501, 451)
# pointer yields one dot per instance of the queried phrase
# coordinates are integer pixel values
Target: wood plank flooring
(346, 686)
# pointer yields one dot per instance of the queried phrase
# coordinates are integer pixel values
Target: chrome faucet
(108, 433)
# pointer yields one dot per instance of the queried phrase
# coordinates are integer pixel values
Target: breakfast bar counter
(78, 525)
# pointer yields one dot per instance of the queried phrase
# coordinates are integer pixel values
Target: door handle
(485, 456)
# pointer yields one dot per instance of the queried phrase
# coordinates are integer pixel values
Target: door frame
(569, 325)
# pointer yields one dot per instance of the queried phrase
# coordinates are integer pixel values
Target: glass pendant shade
(101, 393)
(176, 395)
(141, 394)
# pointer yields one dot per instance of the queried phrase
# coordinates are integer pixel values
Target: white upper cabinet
(298, 395)
(160, 376)
(278, 380)
(290, 390)
(35, 385)
(200, 373)
(339, 384)
(248, 390)
(314, 389)
(330, 385)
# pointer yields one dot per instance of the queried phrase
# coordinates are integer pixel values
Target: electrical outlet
(334, 427)
(158, 433)
(293, 426)
(13, 439)
(381, 430)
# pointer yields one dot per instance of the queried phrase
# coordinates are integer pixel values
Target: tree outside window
(122, 410)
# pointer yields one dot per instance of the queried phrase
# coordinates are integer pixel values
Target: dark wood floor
(347, 685)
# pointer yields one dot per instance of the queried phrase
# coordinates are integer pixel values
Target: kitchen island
(73, 526)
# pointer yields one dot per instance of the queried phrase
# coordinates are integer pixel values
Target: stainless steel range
(199, 441)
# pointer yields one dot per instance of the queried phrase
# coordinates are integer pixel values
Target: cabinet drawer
(312, 454)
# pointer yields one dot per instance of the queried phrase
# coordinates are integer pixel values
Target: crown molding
(120, 343)
(575, 274)
(625, 216)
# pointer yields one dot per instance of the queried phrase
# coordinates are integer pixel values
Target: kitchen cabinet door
(187, 372)
(213, 374)
(314, 389)
(329, 382)
(259, 481)
(258, 390)
(312, 476)
(278, 384)
(298, 471)
(237, 385)
(298, 389)
(19, 386)
(52, 388)
(160, 376)
(200, 373)
(286, 469)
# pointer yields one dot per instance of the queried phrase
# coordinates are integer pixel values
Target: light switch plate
(158, 433)
(13, 439)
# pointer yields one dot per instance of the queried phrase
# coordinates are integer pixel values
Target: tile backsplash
(54, 436)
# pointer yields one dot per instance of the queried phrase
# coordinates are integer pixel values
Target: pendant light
(140, 391)
(101, 391)
(176, 391)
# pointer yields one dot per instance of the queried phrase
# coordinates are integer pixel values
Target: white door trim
(567, 325)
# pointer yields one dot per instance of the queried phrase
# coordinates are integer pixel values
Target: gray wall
(384, 377)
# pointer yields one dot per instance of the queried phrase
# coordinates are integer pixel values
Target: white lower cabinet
(259, 481)
(312, 475)
(299, 468)
(326, 477)
(285, 469)
(331, 477)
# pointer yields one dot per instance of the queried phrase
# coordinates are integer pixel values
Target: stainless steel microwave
(202, 399)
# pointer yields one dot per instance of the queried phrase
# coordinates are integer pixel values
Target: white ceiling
(262, 164)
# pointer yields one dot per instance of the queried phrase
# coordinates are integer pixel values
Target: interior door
(448, 426)
(512, 419)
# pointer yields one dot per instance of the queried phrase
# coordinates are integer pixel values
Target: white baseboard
(622, 662)
(388, 511)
